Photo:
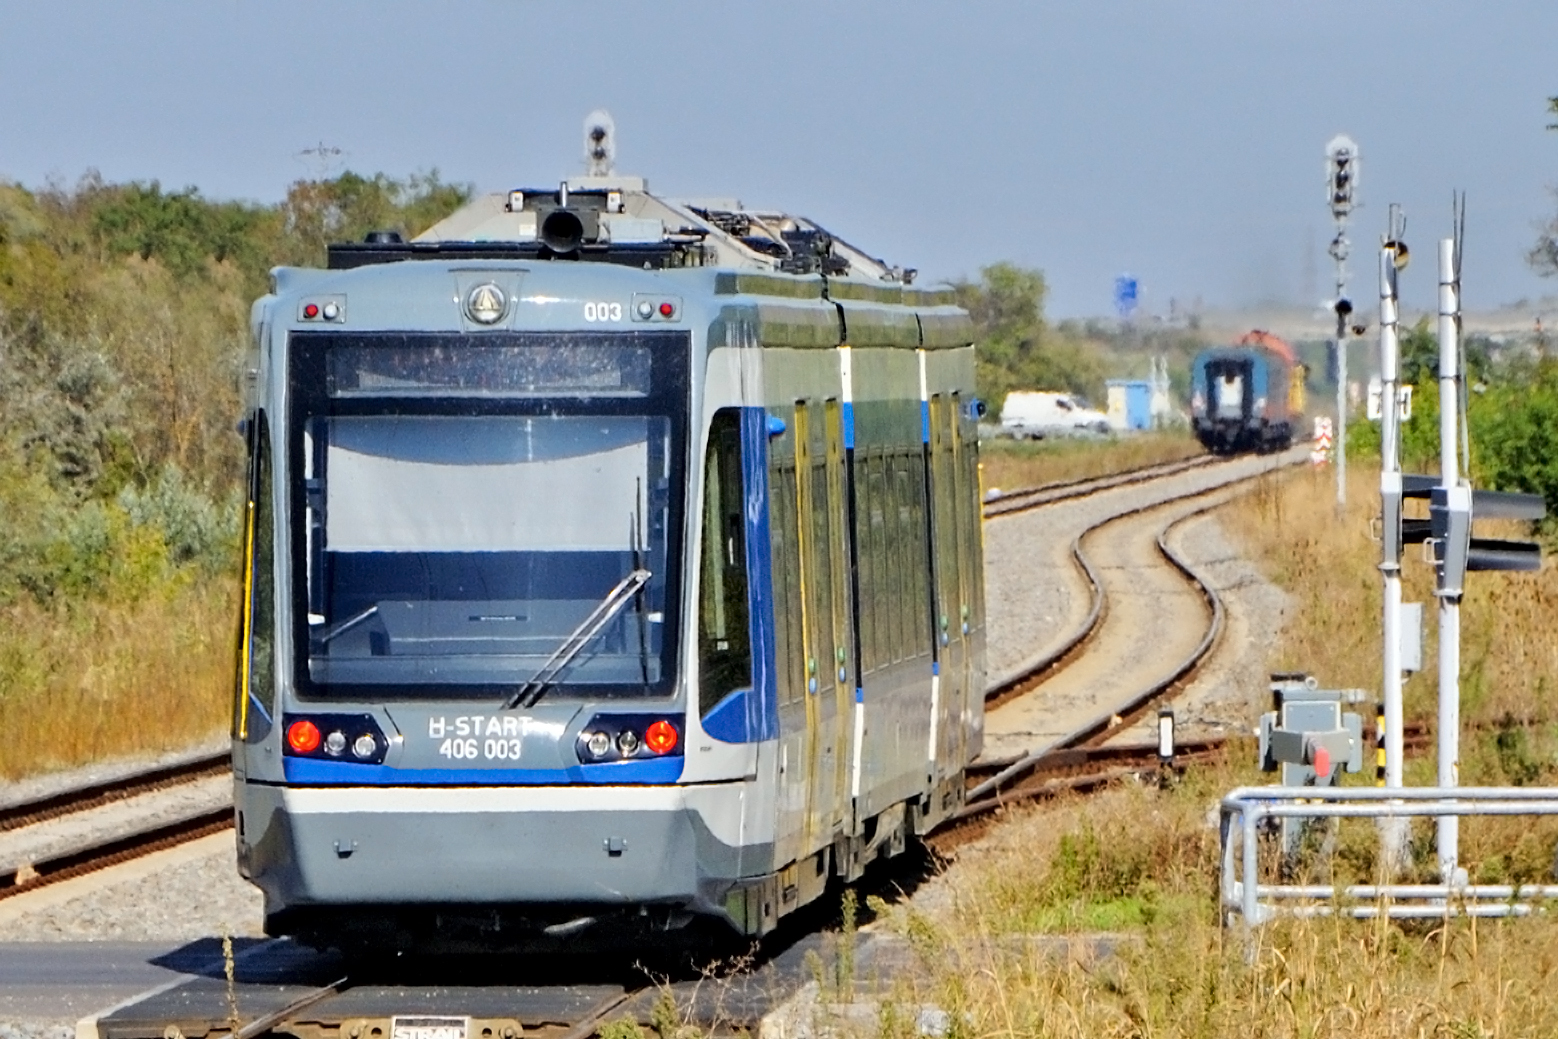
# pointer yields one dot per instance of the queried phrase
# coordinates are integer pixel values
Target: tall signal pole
(1393, 258)
(1341, 181)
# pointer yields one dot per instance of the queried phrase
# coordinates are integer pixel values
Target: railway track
(1082, 759)
(1054, 765)
(1028, 498)
(22, 870)
(106, 791)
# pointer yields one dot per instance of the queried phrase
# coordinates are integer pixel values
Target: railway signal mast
(1453, 505)
(1392, 260)
(1341, 173)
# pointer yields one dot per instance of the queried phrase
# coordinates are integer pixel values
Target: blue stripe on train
(314, 772)
(752, 714)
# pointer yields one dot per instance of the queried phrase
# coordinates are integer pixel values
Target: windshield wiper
(348, 624)
(543, 680)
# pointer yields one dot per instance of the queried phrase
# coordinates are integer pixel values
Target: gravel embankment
(191, 898)
(188, 900)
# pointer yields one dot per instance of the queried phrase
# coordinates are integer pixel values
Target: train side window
(916, 561)
(903, 540)
(879, 605)
(866, 572)
(787, 593)
(724, 636)
(257, 679)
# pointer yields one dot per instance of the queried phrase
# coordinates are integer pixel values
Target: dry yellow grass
(1139, 865)
(1142, 862)
(1509, 659)
(98, 681)
(1012, 464)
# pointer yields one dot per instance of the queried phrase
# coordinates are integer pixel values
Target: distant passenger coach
(613, 563)
(1248, 397)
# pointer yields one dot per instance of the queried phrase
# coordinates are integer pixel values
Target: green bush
(194, 528)
(1512, 413)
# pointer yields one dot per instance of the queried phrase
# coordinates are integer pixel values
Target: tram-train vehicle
(1247, 397)
(612, 563)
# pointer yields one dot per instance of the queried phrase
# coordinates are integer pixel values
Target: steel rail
(261, 1025)
(106, 791)
(1028, 498)
(20, 878)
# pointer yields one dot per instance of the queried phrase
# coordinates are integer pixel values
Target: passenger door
(948, 594)
(822, 748)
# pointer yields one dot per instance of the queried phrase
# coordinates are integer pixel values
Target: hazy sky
(1179, 140)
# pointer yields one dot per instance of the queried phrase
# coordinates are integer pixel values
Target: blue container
(1136, 403)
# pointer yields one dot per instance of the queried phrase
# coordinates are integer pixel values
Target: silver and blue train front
(460, 716)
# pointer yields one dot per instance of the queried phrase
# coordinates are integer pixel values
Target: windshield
(462, 509)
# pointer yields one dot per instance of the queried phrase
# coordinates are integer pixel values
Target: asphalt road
(61, 982)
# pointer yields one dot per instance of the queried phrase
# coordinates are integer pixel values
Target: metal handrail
(1243, 893)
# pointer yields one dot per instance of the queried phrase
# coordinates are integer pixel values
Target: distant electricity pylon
(322, 159)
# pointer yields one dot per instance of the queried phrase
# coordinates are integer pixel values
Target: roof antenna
(600, 143)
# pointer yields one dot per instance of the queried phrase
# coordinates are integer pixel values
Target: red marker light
(303, 737)
(311, 310)
(666, 310)
(661, 737)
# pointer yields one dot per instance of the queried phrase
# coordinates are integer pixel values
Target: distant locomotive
(612, 562)
(1247, 397)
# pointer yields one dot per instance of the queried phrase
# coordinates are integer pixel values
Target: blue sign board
(1125, 295)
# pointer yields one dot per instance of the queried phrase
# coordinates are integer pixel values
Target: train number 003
(602, 311)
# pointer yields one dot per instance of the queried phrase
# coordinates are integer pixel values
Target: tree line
(123, 323)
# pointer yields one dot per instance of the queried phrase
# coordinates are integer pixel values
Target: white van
(1035, 414)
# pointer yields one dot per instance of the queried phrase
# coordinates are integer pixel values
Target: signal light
(311, 311)
(666, 310)
(303, 737)
(661, 737)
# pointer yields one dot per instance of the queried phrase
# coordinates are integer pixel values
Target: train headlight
(365, 746)
(303, 737)
(1260, 405)
(335, 744)
(661, 737)
(628, 742)
(598, 744)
